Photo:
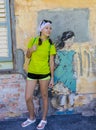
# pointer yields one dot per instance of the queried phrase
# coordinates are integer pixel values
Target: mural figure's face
(69, 42)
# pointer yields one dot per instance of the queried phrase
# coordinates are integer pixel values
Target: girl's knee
(45, 96)
(28, 99)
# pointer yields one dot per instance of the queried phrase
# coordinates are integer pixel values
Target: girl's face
(46, 31)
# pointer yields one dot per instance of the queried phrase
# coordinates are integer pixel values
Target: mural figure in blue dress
(64, 71)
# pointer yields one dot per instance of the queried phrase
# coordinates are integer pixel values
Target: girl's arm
(30, 50)
(51, 84)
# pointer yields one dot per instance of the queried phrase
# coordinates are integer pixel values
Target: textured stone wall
(12, 99)
(27, 15)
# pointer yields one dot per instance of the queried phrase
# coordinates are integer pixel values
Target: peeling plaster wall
(28, 13)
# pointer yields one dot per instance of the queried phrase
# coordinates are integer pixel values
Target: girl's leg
(30, 86)
(44, 94)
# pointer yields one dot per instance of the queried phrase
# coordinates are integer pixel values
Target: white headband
(42, 25)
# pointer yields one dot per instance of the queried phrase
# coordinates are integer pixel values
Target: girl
(41, 52)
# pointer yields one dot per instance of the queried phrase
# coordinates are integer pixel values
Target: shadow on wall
(20, 59)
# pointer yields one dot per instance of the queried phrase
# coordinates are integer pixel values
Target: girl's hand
(51, 83)
(34, 47)
(29, 51)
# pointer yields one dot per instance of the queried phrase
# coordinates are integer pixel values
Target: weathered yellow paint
(26, 12)
(72, 3)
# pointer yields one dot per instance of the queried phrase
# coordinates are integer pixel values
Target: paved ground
(55, 122)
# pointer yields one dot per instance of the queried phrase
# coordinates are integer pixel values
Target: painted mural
(74, 77)
(76, 96)
(73, 69)
(65, 73)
